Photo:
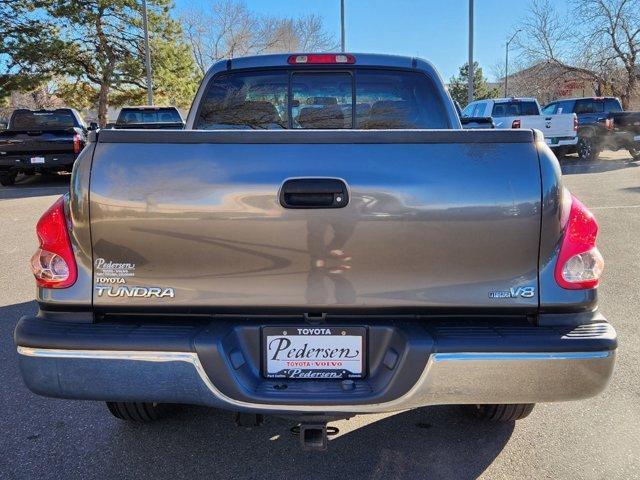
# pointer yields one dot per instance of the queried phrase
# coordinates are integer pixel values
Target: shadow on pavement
(37, 186)
(572, 166)
(51, 438)
(435, 442)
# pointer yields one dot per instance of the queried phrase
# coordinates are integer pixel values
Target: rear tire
(141, 412)
(560, 152)
(7, 179)
(501, 412)
(588, 149)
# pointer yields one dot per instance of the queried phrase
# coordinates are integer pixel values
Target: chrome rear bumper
(448, 378)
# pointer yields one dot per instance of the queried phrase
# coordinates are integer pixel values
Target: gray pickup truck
(322, 240)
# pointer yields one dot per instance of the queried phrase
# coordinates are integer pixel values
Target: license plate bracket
(314, 352)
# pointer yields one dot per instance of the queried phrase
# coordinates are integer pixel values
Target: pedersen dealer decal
(111, 281)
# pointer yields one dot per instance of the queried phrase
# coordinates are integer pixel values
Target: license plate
(37, 159)
(552, 141)
(310, 352)
(637, 138)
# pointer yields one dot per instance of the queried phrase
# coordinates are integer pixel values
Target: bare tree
(603, 47)
(227, 29)
(305, 34)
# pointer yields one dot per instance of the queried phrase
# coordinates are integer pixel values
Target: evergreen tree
(99, 50)
(481, 89)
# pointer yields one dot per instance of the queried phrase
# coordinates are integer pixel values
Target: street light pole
(342, 26)
(147, 53)
(470, 69)
(506, 62)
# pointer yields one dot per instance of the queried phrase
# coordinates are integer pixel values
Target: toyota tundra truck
(322, 240)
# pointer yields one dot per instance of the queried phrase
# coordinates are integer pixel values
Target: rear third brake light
(321, 58)
(54, 264)
(580, 263)
(516, 123)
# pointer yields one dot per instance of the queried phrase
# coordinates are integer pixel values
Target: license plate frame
(321, 337)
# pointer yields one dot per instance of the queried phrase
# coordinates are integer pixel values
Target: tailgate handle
(314, 193)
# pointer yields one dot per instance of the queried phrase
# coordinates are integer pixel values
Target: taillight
(580, 263)
(575, 122)
(76, 143)
(321, 58)
(516, 123)
(54, 264)
(608, 123)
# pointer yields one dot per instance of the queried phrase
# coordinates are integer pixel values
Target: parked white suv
(559, 130)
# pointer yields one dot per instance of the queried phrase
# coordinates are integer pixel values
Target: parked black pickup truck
(602, 124)
(149, 117)
(40, 141)
(624, 131)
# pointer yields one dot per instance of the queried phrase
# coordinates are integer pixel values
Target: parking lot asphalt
(598, 438)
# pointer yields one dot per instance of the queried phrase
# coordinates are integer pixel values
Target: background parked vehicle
(471, 123)
(602, 123)
(164, 118)
(41, 141)
(558, 130)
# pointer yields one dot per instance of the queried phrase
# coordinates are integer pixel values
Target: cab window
(550, 109)
(612, 105)
(468, 110)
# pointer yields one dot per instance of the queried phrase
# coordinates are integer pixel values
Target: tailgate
(627, 122)
(434, 219)
(552, 126)
(36, 142)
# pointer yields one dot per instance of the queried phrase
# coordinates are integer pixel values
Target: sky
(434, 30)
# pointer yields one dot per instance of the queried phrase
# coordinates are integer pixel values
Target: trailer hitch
(313, 436)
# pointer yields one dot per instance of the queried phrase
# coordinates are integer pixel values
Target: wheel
(501, 412)
(635, 153)
(560, 152)
(139, 411)
(7, 179)
(587, 148)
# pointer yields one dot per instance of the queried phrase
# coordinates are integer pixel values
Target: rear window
(514, 109)
(591, 105)
(42, 120)
(612, 105)
(359, 98)
(161, 115)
